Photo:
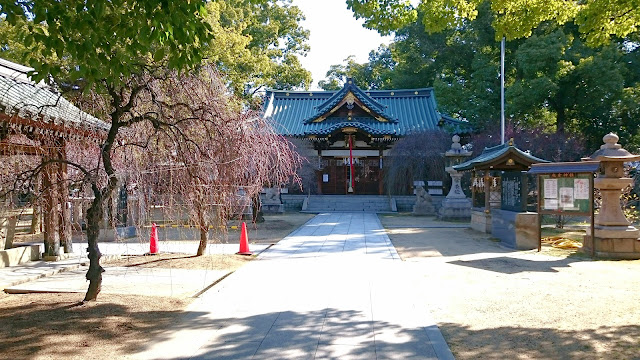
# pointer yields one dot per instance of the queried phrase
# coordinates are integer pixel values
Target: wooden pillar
(473, 189)
(487, 191)
(36, 219)
(380, 173)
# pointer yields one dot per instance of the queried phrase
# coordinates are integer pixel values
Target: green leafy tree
(257, 43)
(373, 75)
(252, 43)
(554, 80)
(598, 20)
(130, 33)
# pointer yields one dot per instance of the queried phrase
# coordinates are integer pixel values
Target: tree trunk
(204, 231)
(37, 211)
(94, 274)
(35, 220)
(561, 120)
(203, 240)
(256, 212)
(50, 209)
(64, 216)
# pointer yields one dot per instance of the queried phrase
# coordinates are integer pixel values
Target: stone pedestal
(271, 202)
(455, 209)
(455, 206)
(612, 248)
(424, 205)
(614, 236)
(515, 230)
(481, 220)
(527, 231)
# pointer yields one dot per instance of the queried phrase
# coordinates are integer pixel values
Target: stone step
(357, 203)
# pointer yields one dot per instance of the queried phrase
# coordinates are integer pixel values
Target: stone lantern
(614, 236)
(455, 206)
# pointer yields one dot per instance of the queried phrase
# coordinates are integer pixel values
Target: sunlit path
(335, 288)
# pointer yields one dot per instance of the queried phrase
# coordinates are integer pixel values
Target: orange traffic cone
(244, 241)
(153, 240)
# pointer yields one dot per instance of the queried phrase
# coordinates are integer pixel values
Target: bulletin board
(565, 189)
(565, 193)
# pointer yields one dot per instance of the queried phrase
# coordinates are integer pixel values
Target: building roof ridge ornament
(350, 95)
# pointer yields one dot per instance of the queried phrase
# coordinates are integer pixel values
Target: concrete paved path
(333, 289)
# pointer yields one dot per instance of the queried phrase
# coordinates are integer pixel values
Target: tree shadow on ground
(322, 334)
(61, 329)
(435, 242)
(513, 265)
(622, 342)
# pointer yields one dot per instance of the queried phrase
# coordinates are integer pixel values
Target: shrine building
(350, 131)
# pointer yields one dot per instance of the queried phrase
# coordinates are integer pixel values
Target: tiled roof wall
(415, 112)
(21, 97)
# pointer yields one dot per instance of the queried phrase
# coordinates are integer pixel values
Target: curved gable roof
(408, 110)
(366, 102)
(497, 157)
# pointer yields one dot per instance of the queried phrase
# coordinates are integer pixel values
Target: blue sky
(335, 34)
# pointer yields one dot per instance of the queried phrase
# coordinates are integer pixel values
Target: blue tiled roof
(496, 153)
(408, 110)
(350, 87)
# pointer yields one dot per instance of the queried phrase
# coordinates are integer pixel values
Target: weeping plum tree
(125, 70)
(212, 151)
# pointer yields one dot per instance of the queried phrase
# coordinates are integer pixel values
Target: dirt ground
(56, 326)
(178, 261)
(275, 227)
(494, 303)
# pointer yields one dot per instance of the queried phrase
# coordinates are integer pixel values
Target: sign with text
(512, 191)
(565, 192)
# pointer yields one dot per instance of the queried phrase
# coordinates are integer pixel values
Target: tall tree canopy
(598, 20)
(253, 43)
(554, 80)
(257, 44)
(107, 40)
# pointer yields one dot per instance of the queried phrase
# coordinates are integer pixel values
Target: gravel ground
(494, 303)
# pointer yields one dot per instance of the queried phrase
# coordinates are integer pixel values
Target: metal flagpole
(502, 90)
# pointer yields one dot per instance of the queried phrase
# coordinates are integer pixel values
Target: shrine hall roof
(39, 106)
(501, 157)
(388, 112)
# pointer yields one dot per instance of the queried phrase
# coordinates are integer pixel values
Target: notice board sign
(565, 192)
(565, 189)
(513, 191)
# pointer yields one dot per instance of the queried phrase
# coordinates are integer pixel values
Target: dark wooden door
(366, 176)
(334, 177)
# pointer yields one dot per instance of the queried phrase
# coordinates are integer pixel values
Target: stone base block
(424, 209)
(62, 256)
(527, 231)
(455, 209)
(503, 227)
(273, 208)
(612, 248)
(481, 221)
(616, 232)
(19, 255)
(515, 230)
